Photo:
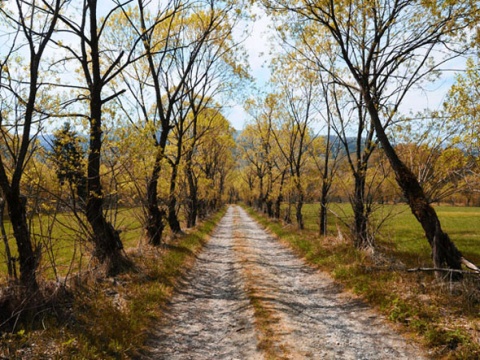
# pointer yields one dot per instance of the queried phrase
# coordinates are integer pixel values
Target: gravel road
(212, 316)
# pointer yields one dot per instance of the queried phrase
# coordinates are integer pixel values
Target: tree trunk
(192, 212)
(8, 254)
(278, 203)
(323, 216)
(360, 230)
(202, 209)
(108, 246)
(445, 253)
(288, 212)
(172, 199)
(28, 258)
(269, 207)
(192, 204)
(260, 200)
(107, 241)
(300, 200)
(298, 213)
(279, 199)
(172, 215)
(299, 205)
(326, 181)
(155, 220)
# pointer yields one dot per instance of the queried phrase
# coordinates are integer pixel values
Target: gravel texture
(212, 317)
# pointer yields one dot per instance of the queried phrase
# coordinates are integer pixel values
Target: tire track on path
(212, 316)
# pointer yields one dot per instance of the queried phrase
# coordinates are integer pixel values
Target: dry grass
(266, 320)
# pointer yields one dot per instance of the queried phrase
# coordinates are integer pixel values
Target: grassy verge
(444, 317)
(111, 318)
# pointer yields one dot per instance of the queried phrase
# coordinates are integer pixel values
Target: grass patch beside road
(111, 318)
(444, 317)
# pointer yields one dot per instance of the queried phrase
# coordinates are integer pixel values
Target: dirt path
(244, 274)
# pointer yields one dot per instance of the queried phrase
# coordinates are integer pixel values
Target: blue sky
(258, 46)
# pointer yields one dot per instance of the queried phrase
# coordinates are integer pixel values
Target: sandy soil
(212, 316)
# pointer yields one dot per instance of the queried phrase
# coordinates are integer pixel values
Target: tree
(99, 67)
(298, 91)
(440, 171)
(358, 153)
(252, 147)
(385, 49)
(68, 156)
(153, 78)
(21, 85)
(182, 44)
(325, 153)
(206, 122)
(344, 116)
(216, 73)
(214, 161)
(259, 148)
(192, 201)
(462, 111)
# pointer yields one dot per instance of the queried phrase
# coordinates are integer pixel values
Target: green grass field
(403, 235)
(65, 247)
(400, 233)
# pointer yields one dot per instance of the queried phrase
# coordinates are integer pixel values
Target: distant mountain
(46, 141)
